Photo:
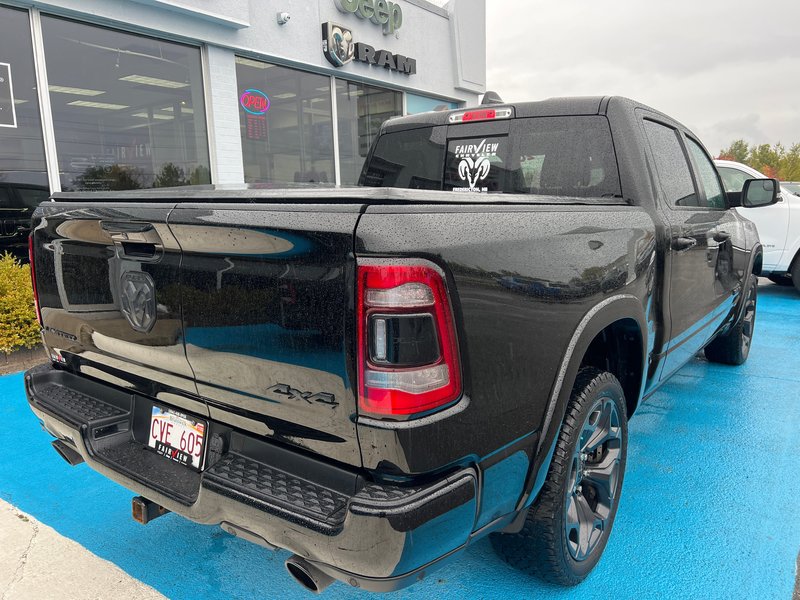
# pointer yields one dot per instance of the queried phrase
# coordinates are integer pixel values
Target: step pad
(75, 406)
(289, 496)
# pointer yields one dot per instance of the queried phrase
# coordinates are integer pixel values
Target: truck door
(699, 277)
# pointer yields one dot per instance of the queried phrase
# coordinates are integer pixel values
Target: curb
(22, 359)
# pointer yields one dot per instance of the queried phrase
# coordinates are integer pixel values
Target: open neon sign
(255, 102)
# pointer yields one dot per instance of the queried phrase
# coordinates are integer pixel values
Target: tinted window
(553, 156)
(733, 178)
(5, 198)
(715, 198)
(408, 159)
(33, 197)
(556, 156)
(794, 188)
(673, 170)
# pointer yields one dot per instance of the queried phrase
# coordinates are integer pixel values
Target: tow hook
(144, 510)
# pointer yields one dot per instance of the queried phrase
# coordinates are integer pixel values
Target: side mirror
(760, 192)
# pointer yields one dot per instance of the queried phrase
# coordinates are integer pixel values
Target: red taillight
(408, 359)
(33, 280)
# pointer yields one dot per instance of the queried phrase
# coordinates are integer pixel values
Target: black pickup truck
(374, 378)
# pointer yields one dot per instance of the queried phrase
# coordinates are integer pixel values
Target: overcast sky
(726, 69)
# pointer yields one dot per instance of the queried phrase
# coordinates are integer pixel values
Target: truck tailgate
(107, 278)
(267, 307)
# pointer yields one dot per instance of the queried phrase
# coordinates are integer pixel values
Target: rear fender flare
(600, 316)
(751, 263)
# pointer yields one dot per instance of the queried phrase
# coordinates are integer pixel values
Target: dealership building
(111, 94)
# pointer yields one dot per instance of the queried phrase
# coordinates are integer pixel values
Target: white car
(778, 225)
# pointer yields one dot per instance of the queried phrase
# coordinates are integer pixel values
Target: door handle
(135, 240)
(125, 228)
(682, 244)
(722, 236)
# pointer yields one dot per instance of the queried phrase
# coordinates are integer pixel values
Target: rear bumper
(379, 537)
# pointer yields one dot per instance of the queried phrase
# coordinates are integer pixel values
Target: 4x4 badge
(288, 391)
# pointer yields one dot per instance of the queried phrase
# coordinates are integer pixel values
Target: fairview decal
(340, 49)
(475, 164)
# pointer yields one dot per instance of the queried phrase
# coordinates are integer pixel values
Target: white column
(222, 114)
(48, 131)
(337, 168)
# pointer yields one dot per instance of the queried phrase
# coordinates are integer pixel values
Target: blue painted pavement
(710, 506)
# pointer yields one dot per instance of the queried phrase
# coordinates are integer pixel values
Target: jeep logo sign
(381, 12)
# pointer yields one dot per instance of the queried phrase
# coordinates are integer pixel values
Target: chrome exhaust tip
(68, 453)
(307, 575)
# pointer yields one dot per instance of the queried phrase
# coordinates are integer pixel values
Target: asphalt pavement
(710, 506)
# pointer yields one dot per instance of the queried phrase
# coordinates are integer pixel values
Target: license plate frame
(169, 429)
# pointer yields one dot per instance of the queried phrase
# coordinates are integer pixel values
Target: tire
(796, 273)
(733, 347)
(783, 280)
(546, 546)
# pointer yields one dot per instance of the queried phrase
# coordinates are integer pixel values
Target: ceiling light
(184, 110)
(256, 64)
(144, 80)
(60, 89)
(324, 89)
(155, 116)
(103, 105)
(285, 96)
(18, 101)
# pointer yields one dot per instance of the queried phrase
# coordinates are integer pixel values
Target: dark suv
(17, 203)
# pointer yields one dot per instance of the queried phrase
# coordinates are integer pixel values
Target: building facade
(126, 94)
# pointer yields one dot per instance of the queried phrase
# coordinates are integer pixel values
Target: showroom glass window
(128, 110)
(286, 124)
(419, 104)
(361, 109)
(21, 147)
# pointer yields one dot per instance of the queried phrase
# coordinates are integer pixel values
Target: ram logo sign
(340, 48)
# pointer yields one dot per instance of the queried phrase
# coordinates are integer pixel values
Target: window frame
(661, 197)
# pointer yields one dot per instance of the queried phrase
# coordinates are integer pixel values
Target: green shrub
(18, 325)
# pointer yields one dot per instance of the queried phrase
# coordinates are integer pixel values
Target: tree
(171, 175)
(765, 157)
(199, 176)
(738, 151)
(790, 165)
(771, 160)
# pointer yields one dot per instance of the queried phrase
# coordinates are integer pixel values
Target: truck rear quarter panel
(521, 279)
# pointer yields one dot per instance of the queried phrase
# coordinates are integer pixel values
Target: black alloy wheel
(733, 346)
(569, 524)
(592, 479)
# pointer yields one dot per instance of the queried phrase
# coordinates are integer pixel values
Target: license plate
(177, 437)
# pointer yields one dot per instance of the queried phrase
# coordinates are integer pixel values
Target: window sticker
(8, 114)
(475, 164)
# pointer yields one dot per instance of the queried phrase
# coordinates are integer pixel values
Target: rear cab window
(544, 156)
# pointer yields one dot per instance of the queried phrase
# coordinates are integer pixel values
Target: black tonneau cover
(323, 195)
